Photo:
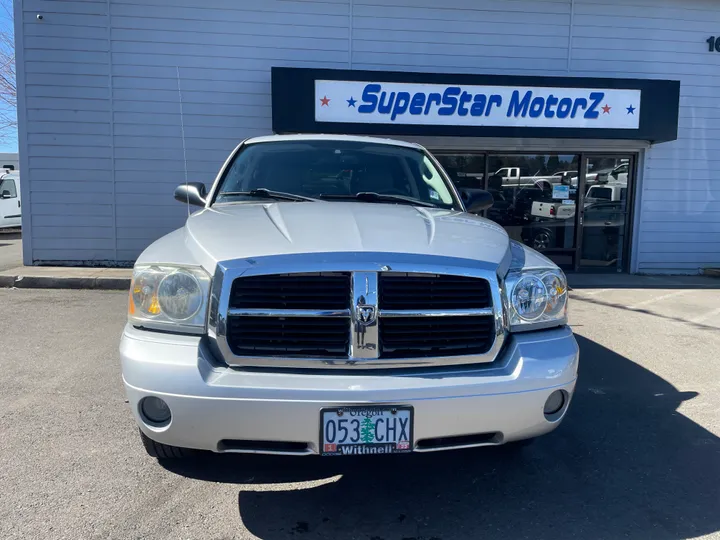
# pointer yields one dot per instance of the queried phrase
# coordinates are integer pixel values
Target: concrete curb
(65, 282)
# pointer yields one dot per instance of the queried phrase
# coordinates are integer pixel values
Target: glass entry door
(605, 216)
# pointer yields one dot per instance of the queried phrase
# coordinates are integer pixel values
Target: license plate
(346, 431)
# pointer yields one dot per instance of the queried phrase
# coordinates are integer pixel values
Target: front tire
(164, 451)
(541, 241)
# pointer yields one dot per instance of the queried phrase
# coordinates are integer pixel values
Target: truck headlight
(170, 298)
(536, 299)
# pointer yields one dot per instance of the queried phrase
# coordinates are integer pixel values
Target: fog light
(155, 410)
(554, 403)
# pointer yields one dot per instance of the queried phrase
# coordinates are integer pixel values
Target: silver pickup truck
(335, 295)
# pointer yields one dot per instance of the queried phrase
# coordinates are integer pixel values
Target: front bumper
(212, 404)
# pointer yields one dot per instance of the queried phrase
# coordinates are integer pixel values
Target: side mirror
(191, 193)
(476, 200)
(5, 194)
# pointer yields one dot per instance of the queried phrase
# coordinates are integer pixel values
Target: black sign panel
(427, 104)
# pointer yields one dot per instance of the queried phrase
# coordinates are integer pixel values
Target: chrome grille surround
(363, 326)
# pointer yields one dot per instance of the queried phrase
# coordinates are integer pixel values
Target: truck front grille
(408, 291)
(292, 291)
(288, 336)
(436, 336)
(361, 317)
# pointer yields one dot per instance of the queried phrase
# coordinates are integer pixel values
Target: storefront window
(535, 200)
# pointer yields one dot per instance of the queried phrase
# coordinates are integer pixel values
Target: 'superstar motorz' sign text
(464, 105)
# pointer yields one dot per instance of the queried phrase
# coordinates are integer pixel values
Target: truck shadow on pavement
(624, 464)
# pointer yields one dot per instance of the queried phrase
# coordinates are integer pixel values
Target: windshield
(334, 169)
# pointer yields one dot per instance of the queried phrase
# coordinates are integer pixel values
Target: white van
(10, 207)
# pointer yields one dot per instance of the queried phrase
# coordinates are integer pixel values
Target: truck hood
(236, 231)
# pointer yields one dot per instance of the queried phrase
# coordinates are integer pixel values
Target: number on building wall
(714, 44)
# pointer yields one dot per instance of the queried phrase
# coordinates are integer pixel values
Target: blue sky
(8, 143)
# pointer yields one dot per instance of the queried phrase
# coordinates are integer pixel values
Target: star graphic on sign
(631, 110)
(606, 109)
(351, 102)
(325, 101)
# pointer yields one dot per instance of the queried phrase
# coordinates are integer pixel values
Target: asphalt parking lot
(637, 457)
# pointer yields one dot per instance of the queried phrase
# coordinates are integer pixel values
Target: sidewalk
(60, 277)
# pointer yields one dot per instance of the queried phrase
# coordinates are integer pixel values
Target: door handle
(608, 223)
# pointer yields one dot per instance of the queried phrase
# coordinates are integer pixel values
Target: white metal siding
(103, 130)
(679, 201)
(102, 113)
(64, 113)
(527, 37)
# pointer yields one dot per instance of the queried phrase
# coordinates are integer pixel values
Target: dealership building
(595, 124)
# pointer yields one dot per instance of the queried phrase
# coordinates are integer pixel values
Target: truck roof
(340, 138)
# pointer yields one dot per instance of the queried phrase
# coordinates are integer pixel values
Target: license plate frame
(360, 412)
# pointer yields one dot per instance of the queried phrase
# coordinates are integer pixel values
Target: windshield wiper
(263, 193)
(371, 196)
